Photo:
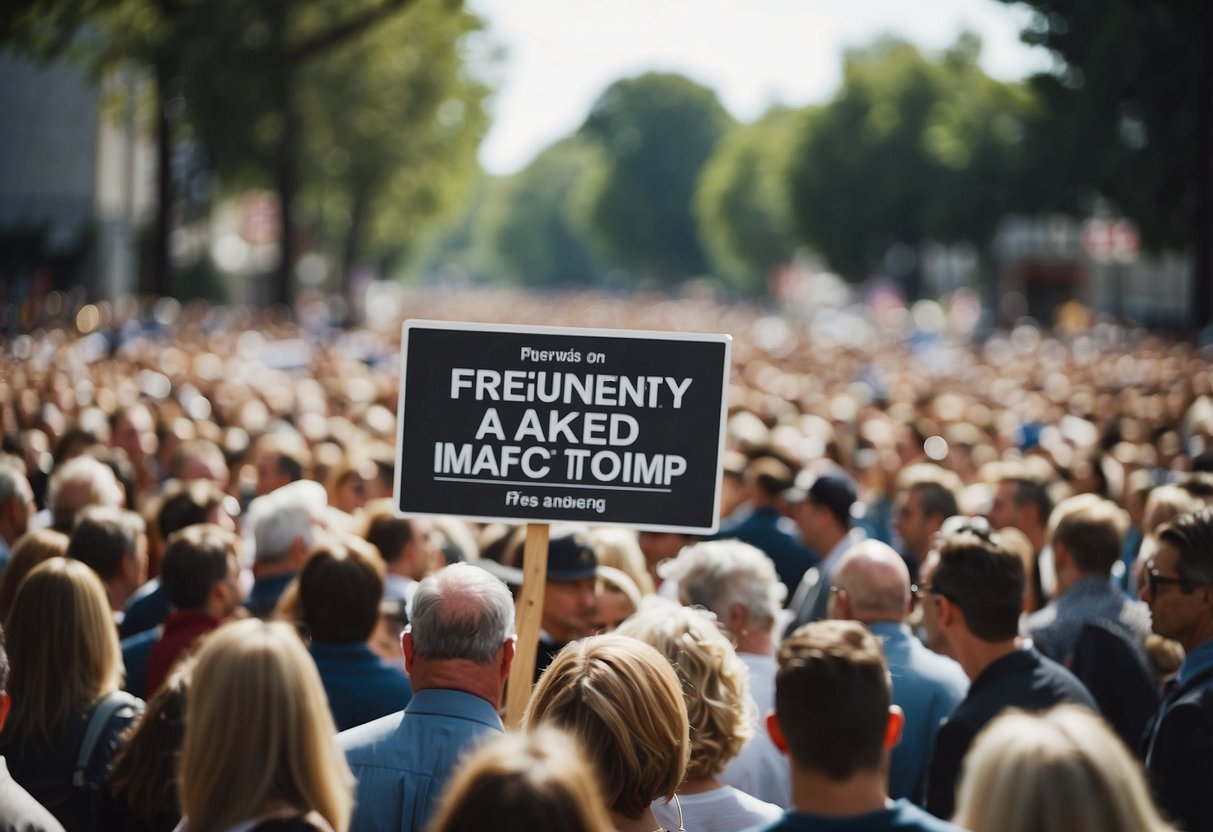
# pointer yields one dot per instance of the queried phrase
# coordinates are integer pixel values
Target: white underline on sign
(552, 484)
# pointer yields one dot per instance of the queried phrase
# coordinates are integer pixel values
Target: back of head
(832, 698)
(768, 476)
(461, 612)
(63, 646)
(262, 733)
(1091, 529)
(836, 493)
(79, 482)
(143, 775)
(31, 549)
(534, 782)
(715, 683)
(385, 531)
(1192, 536)
(1060, 771)
(876, 582)
(283, 516)
(719, 573)
(103, 537)
(187, 504)
(621, 700)
(340, 587)
(983, 576)
(195, 559)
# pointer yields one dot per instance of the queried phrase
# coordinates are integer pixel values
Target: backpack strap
(100, 717)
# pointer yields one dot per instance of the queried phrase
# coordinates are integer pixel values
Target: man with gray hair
(457, 652)
(738, 583)
(872, 586)
(79, 482)
(284, 524)
(16, 505)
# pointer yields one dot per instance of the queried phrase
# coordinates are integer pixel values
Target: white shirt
(761, 769)
(721, 810)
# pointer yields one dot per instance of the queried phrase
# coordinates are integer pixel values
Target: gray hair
(461, 612)
(278, 518)
(719, 573)
(89, 475)
(11, 479)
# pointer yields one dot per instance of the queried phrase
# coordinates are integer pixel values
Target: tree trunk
(353, 242)
(161, 266)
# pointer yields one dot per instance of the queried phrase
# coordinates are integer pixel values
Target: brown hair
(340, 587)
(1091, 529)
(832, 698)
(30, 550)
(63, 647)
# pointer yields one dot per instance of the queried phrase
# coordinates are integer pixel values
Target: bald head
(875, 584)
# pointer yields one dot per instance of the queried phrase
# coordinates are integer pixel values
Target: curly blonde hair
(715, 683)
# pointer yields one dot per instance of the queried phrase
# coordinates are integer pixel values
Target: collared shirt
(1054, 630)
(360, 686)
(265, 594)
(927, 687)
(402, 761)
(812, 598)
(1179, 748)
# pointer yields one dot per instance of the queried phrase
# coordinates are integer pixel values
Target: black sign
(544, 424)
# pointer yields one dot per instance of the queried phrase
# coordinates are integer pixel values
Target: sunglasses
(1154, 580)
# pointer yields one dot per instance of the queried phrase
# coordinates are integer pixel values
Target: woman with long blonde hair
(63, 649)
(260, 749)
(1059, 771)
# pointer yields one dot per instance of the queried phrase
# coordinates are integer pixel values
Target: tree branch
(345, 30)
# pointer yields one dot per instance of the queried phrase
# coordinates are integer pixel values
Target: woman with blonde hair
(260, 749)
(66, 670)
(715, 685)
(30, 550)
(1058, 771)
(536, 782)
(621, 700)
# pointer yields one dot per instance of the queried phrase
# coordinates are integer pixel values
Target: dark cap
(570, 557)
(835, 491)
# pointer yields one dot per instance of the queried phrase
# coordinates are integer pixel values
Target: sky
(557, 56)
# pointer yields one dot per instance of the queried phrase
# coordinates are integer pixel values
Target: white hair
(283, 515)
(719, 573)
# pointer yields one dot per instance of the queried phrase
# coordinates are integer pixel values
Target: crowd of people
(956, 584)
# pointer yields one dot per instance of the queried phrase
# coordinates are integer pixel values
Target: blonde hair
(63, 647)
(620, 698)
(620, 549)
(30, 550)
(259, 733)
(715, 684)
(537, 782)
(1059, 771)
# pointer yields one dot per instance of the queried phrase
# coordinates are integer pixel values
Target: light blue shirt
(927, 687)
(402, 761)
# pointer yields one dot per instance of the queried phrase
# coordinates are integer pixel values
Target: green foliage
(655, 133)
(741, 203)
(391, 126)
(1120, 111)
(529, 224)
(910, 150)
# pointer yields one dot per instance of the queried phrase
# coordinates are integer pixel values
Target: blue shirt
(927, 687)
(147, 609)
(360, 686)
(136, 650)
(902, 816)
(402, 761)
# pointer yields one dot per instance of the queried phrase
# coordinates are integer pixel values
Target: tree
(529, 226)
(655, 132)
(741, 203)
(392, 124)
(1127, 114)
(910, 150)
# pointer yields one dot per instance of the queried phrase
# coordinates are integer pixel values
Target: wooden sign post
(527, 618)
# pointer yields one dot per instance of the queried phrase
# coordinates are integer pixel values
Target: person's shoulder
(362, 741)
(1061, 684)
(907, 817)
